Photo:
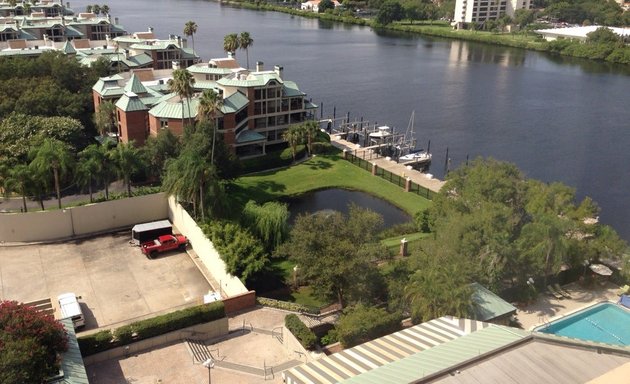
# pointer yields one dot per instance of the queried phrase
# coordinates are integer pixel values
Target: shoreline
(522, 41)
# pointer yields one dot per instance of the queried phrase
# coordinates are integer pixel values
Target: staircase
(198, 350)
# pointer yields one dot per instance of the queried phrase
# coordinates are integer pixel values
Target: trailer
(141, 233)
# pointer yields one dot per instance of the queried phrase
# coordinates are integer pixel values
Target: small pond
(339, 200)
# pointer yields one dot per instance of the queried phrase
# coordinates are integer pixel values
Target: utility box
(141, 233)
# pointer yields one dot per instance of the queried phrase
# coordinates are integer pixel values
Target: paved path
(417, 177)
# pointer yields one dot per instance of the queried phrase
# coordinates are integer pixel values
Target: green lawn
(393, 243)
(322, 172)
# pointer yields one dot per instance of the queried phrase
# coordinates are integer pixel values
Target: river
(557, 119)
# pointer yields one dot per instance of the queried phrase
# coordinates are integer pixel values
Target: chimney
(229, 55)
(259, 66)
(151, 29)
(176, 65)
(45, 38)
(116, 20)
(278, 69)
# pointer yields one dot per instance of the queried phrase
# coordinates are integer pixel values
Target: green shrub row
(360, 324)
(287, 306)
(271, 160)
(306, 337)
(147, 328)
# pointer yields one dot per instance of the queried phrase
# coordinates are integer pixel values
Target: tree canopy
(30, 342)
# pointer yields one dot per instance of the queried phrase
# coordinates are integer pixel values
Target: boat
(406, 148)
(381, 133)
(419, 156)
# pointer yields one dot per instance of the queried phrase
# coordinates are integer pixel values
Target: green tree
(158, 150)
(104, 118)
(324, 5)
(231, 43)
(182, 84)
(336, 253)
(603, 35)
(127, 161)
(30, 342)
(19, 180)
(522, 17)
(245, 41)
(88, 8)
(96, 9)
(105, 9)
(210, 103)
(389, 12)
(294, 136)
(243, 253)
(360, 324)
(269, 222)
(190, 28)
(310, 129)
(56, 156)
(89, 167)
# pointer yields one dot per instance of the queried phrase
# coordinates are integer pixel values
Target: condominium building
(258, 105)
(477, 11)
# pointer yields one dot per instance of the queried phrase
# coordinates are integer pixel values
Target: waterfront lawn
(393, 243)
(321, 172)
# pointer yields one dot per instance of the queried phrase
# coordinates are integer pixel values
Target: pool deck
(548, 308)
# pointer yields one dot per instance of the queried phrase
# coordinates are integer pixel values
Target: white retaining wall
(83, 220)
(230, 285)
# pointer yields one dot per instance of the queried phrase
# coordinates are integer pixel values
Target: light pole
(295, 272)
(209, 364)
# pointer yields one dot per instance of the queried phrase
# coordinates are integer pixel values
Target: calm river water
(557, 119)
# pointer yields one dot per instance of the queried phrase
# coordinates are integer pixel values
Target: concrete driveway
(116, 281)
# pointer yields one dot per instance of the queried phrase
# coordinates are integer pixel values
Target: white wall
(76, 221)
(230, 285)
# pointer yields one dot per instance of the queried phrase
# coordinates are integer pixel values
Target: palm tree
(104, 117)
(294, 136)
(245, 41)
(190, 28)
(18, 180)
(105, 9)
(89, 167)
(209, 103)
(96, 9)
(182, 84)
(310, 129)
(52, 155)
(127, 161)
(231, 43)
(88, 8)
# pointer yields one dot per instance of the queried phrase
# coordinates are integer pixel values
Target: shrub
(286, 305)
(360, 324)
(330, 338)
(306, 337)
(123, 335)
(96, 342)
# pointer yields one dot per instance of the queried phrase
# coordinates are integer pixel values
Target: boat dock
(403, 169)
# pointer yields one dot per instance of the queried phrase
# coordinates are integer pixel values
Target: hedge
(361, 324)
(306, 337)
(286, 305)
(271, 160)
(147, 328)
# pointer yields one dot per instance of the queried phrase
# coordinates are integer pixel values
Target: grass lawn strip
(323, 172)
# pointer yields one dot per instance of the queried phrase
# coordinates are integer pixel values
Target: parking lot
(116, 281)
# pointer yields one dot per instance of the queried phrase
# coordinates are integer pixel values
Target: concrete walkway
(417, 177)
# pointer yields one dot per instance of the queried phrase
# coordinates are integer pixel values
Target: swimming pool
(603, 322)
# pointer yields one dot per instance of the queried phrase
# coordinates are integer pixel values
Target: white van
(70, 308)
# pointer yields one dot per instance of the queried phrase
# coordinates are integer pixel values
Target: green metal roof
(72, 362)
(204, 69)
(68, 49)
(173, 110)
(234, 103)
(248, 136)
(135, 85)
(291, 89)
(258, 80)
(487, 305)
(70, 31)
(441, 357)
(130, 102)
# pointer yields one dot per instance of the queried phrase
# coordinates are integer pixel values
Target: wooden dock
(392, 166)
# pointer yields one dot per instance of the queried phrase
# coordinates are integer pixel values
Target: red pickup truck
(162, 244)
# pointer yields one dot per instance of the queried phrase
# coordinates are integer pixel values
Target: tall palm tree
(293, 136)
(90, 166)
(190, 28)
(231, 43)
(96, 9)
(210, 103)
(18, 180)
(127, 161)
(310, 129)
(104, 117)
(245, 41)
(182, 84)
(53, 155)
(105, 9)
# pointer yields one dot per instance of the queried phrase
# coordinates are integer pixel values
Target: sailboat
(407, 147)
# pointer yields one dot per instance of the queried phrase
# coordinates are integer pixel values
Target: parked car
(164, 243)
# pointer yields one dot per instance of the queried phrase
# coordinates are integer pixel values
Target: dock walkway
(367, 154)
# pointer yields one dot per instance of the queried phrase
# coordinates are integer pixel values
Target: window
(163, 123)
